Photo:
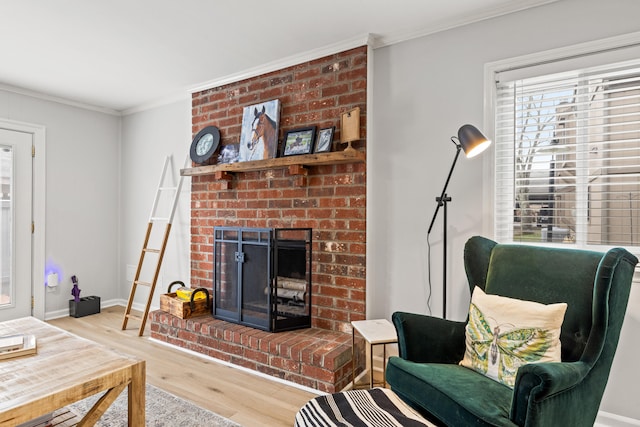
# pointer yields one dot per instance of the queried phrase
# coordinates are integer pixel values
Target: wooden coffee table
(66, 369)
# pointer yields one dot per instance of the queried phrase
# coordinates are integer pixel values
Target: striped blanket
(378, 407)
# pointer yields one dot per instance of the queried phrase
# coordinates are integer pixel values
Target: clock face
(204, 144)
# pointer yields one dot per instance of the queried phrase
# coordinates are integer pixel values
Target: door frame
(38, 195)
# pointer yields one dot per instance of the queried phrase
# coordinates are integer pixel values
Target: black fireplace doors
(262, 277)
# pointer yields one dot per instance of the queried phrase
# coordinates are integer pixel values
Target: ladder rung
(167, 188)
(138, 282)
(133, 316)
(153, 251)
(155, 218)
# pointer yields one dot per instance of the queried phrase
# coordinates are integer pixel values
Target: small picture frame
(324, 140)
(229, 153)
(299, 141)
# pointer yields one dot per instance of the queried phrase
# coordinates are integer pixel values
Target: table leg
(353, 358)
(384, 365)
(370, 365)
(136, 396)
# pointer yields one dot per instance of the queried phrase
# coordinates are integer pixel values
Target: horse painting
(259, 139)
(263, 130)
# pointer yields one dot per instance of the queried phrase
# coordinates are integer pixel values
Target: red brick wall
(332, 201)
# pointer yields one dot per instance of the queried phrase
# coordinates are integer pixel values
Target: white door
(15, 223)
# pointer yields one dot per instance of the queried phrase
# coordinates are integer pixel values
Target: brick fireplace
(330, 199)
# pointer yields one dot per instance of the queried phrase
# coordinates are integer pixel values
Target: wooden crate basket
(175, 306)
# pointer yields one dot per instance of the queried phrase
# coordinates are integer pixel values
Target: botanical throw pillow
(505, 333)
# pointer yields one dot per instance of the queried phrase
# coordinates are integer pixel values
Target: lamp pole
(442, 201)
(472, 142)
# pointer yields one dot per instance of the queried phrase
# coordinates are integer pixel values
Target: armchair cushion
(454, 393)
(505, 333)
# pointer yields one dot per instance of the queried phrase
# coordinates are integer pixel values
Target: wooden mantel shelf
(346, 156)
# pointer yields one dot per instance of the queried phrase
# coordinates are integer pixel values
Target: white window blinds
(568, 157)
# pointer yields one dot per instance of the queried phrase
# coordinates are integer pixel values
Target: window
(568, 157)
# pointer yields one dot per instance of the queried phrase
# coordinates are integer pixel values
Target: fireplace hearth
(262, 277)
(330, 199)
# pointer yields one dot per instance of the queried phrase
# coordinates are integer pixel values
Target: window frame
(614, 49)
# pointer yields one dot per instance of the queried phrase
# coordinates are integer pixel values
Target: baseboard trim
(606, 419)
(50, 315)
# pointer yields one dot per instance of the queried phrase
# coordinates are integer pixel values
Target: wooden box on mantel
(175, 306)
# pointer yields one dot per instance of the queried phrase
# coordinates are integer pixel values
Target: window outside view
(568, 158)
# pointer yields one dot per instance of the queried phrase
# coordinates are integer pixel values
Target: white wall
(81, 193)
(147, 137)
(424, 90)
(102, 171)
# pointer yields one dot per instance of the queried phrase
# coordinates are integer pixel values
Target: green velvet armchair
(595, 287)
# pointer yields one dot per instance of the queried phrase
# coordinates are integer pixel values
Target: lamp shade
(473, 142)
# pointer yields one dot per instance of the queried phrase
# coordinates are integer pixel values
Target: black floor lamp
(472, 142)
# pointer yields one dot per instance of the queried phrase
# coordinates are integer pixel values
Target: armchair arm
(426, 339)
(536, 382)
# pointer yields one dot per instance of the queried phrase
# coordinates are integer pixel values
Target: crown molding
(289, 61)
(368, 39)
(183, 95)
(56, 99)
(512, 7)
(373, 41)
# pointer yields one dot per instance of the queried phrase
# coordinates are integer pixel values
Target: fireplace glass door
(242, 256)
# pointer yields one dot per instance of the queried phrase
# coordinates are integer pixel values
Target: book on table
(11, 342)
(17, 345)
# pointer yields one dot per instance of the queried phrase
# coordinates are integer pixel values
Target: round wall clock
(204, 144)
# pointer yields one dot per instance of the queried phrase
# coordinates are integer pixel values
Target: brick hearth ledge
(315, 358)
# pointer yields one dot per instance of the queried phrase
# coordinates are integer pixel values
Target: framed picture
(259, 135)
(229, 154)
(299, 141)
(324, 140)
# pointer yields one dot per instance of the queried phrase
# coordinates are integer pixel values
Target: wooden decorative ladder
(153, 219)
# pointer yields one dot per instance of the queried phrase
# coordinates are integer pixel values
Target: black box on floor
(84, 307)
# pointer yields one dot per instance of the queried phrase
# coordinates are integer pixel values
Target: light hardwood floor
(243, 397)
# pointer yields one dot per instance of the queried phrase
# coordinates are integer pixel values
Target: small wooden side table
(375, 332)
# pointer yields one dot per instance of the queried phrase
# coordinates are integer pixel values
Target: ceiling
(123, 55)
